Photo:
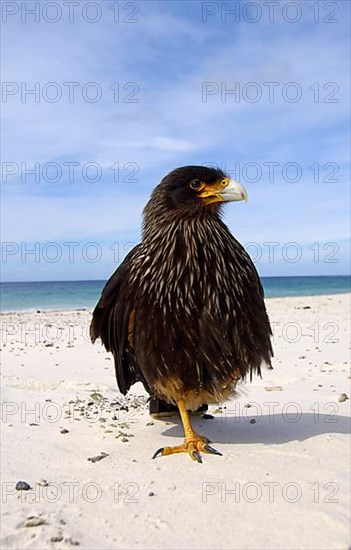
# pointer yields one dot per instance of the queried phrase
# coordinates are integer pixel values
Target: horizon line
(105, 280)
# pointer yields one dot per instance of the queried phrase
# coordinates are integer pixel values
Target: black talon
(197, 456)
(158, 452)
(211, 450)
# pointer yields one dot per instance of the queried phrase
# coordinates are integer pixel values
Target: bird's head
(193, 189)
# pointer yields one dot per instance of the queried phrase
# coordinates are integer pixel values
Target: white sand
(283, 481)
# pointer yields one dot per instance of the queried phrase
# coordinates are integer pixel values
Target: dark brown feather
(186, 306)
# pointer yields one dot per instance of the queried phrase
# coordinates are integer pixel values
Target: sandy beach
(86, 451)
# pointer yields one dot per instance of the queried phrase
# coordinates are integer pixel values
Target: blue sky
(165, 84)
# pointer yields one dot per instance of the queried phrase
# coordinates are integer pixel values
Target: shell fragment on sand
(97, 457)
(343, 397)
(22, 486)
(33, 521)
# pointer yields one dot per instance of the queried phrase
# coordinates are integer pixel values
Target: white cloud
(170, 56)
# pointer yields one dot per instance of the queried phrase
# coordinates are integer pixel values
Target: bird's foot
(193, 445)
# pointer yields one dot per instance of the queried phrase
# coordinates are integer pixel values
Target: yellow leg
(193, 442)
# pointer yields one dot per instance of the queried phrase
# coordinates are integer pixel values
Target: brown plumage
(184, 312)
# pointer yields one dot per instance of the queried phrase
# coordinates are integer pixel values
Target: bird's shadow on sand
(267, 429)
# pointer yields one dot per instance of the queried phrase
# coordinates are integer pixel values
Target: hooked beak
(234, 191)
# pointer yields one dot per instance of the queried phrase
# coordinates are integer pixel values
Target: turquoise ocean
(84, 294)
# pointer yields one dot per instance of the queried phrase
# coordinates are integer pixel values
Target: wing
(113, 322)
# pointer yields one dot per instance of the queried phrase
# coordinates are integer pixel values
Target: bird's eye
(195, 184)
(224, 182)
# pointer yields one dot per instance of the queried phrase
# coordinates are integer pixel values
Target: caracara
(184, 313)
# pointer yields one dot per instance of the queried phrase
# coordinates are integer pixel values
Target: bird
(184, 313)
